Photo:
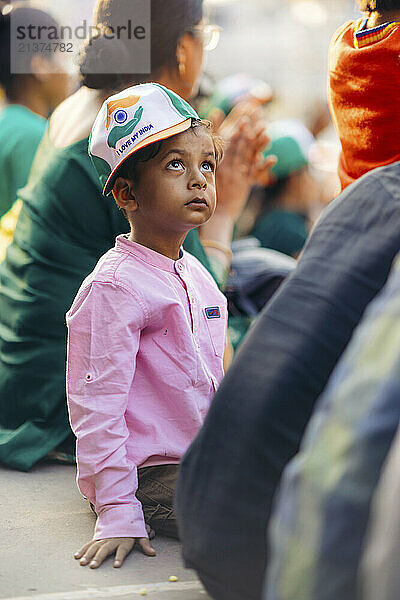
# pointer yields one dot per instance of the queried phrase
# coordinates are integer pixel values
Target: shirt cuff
(126, 520)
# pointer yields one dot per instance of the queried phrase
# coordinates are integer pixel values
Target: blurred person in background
(29, 97)
(64, 229)
(238, 90)
(379, 574)
(364, 89)
(278, 214)
(324, 502)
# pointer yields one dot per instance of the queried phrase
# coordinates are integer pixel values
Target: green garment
(20, 133)
(281, 230)
(65, 225)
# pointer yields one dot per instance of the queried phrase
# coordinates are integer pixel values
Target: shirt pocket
(216, 326)
(175, 352)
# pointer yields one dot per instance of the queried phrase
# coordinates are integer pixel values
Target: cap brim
(156, 137)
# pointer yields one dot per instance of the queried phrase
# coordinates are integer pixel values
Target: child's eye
(208, 166)
(175, 165)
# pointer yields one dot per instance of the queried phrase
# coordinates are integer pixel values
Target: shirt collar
(365, 37)
(153, 258)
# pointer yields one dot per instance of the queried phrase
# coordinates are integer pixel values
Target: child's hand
(95, 552)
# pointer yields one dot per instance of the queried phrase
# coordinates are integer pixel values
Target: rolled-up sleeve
(104, 328)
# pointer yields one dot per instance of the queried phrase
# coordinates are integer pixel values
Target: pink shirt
(146, 337)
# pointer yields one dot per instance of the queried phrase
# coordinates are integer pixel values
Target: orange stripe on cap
(120, 103)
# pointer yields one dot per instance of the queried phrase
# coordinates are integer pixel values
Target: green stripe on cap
(102, 167)
(183, 108)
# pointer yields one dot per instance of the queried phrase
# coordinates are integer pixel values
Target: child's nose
(198, 180)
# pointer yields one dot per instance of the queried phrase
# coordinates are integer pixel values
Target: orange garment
(364, 96)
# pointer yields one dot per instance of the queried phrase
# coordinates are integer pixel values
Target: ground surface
(44, 520)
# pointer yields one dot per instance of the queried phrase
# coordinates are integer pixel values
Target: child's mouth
(197, 202)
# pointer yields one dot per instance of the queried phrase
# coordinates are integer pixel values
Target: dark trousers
(156, 492)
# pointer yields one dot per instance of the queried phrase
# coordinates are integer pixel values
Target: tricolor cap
(131, 120)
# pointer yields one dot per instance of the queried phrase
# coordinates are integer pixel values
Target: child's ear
(123, 194)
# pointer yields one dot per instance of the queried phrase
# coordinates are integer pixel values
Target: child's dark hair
(378, 5)
(128, 168)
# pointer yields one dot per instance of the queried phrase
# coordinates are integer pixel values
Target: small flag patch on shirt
(213, 312)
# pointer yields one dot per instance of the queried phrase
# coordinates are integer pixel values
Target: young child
(147, 329)
(364, 89)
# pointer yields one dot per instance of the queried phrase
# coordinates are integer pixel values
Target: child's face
(175, 191)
